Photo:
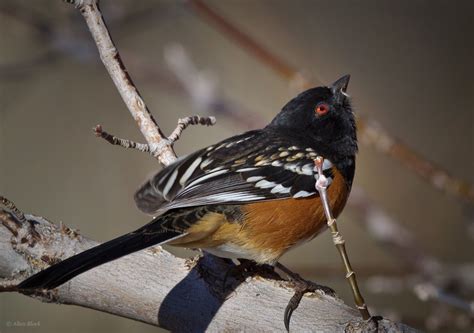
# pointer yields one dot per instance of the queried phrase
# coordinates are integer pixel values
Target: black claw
(375, 320)
(292, 306)
(240, 271)
(301, 286)
(235, 271)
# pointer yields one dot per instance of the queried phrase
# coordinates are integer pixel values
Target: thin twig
(183, 123)
(125, 143)
(13, 209)
(321, 186)
(373, 134)
(391, 235)
(428, 291)
(202, 87)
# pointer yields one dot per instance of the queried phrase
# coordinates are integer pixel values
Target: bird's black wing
(251, 167)
(254, 166)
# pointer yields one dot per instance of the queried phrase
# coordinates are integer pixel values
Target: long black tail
(62, 272)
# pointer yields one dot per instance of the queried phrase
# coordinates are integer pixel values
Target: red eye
(322, 108)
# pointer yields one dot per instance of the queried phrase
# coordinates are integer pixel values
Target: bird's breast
(276, 226)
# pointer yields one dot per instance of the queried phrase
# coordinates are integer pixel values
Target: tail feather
(67, 269)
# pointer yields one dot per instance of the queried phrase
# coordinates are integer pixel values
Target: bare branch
(125, 143)
(428, 291)
(201, 86)
(183, 123)
(159, 146)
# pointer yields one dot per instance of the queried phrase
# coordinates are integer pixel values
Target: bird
(251, 196)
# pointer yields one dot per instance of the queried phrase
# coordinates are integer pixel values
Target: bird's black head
(323, 117)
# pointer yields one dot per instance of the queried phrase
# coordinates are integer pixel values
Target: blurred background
(409, 224)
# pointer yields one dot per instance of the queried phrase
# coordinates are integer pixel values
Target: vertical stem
(321, 186)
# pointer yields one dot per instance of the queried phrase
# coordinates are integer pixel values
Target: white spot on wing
(302, 194)
(265, 184)
(307, 169)
(189, 171)
(233, 196)
(207, 176)
(232, 143)
(246, 169)
(291, 166)
(215, 169)
(206, 162)
(280, 189)
(254, 178)
(170, 183)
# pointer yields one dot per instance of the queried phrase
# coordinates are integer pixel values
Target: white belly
(232, 251)
(229, 251)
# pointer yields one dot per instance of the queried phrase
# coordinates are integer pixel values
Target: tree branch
(159, 146)
(155, 287)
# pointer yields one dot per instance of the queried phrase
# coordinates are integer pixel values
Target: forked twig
(183, 123)
(158, 144)
(321, 186)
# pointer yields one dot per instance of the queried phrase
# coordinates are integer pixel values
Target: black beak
(339, 87)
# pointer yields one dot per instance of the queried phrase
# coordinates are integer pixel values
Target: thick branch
(155, 287)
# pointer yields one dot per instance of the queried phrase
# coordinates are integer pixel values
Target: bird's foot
(301, 286)
(248, 268)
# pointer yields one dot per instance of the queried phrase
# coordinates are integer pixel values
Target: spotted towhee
(251, 196)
